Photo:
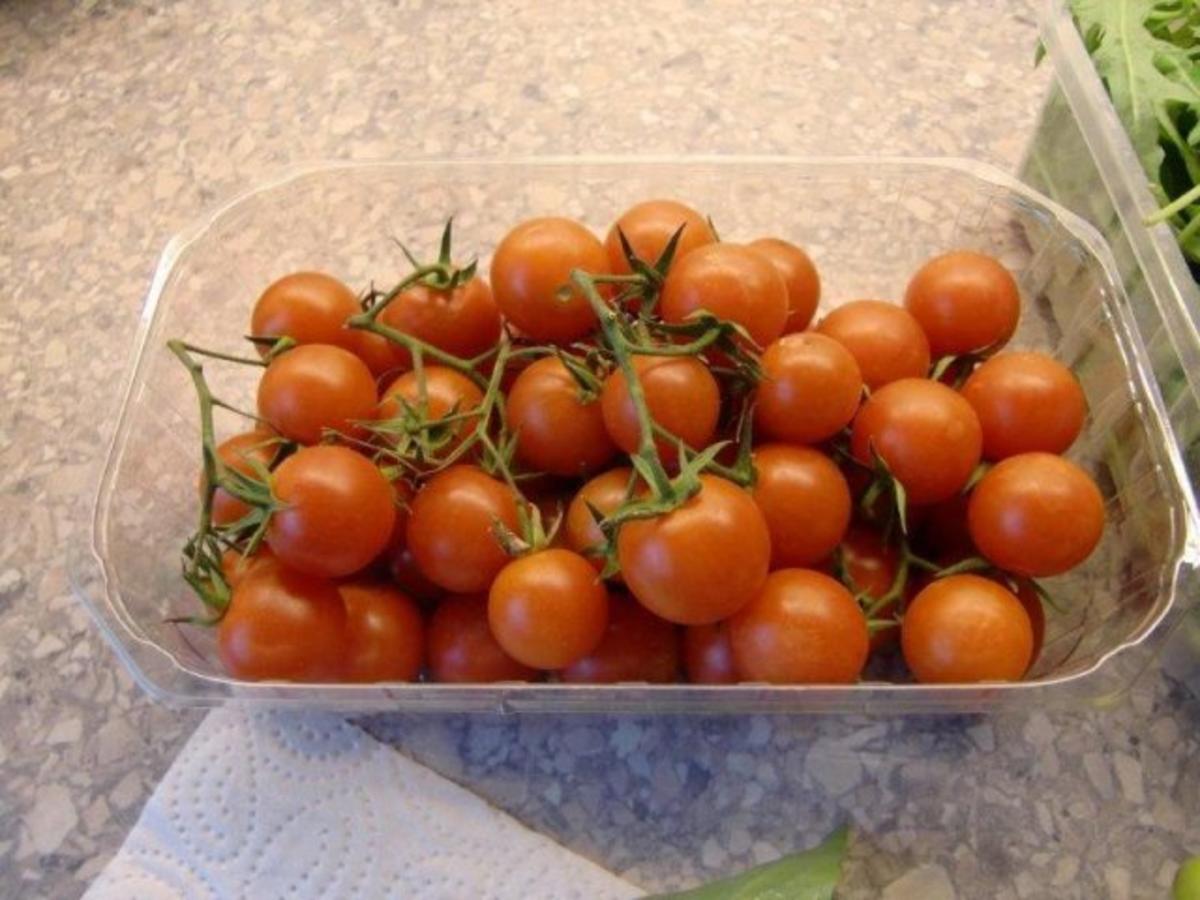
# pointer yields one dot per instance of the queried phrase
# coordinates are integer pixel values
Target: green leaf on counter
(810, 875)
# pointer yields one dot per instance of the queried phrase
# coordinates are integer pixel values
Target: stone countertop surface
(122, 121)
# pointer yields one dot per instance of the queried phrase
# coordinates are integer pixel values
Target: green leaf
(1187, 880)
(810, 875)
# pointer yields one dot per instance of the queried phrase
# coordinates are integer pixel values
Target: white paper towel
(268, 805)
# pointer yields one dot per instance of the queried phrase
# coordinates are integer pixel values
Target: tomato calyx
(954, 369)
(532, 534)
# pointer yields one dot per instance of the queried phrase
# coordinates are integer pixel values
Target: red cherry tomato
(707, 654)
(700, 562)
(451, 528)
(557, 430)
(283, 626)
(385, 637)
(802, 628)
(236, 567)
(884, 339)
(463, 322)
(549, 609)
(681, 394)
(1026, 402)
(805, 501)
(870, 565)
(800, 276)
(648, 227)
(533, 265)
(446, 392)
(462, 648)
(336, 511)
(964, 629)
(926, 433)
(637, 646)
(1036, 515)
(732, 282)
(605, 492)
(810, 390)
(239, 453)
(316, 388)
(964, 301)
(308, 307)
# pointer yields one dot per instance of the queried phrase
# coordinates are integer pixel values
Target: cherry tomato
(313, 388)
(239, 453)
(701, 562)
(605, 492)
(870, 566)
(1026, 402)
(236, 567)
(637, 646)
(308, 307)
(464, 321)
(549, 609)
(731, 282)
(557, 430)
(802, 628)
(450, 528)
(462, 648)
(805, 501)
(1036, 514)
(800, 276)
(336, 511)
(681, 394)
(282, 625)
(385, 637)
(648, 227)
(532, 264)
(884, 339)
(707, 654)
(926, 433)
(376, 351)
(446, 392)
(966, 629)
(964, 301)
(810, 391)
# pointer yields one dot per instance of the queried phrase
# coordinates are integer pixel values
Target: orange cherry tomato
(308, 307)
(707, 654)
(239, 453)
(446, 392)
(964, 301)
(870, 565)
(805, 501)
(315, 388)
(884, 339)
(463, 322)
(605, 492)
(802, 628)
(648, 227)
(810, 390)
(235, 566)
(637, 646)
(800, 276)
(385, 637)
(462, 648)
(682, 396)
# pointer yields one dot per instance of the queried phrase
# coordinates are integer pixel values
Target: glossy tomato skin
(450, 528)
(926, 433)
(1036, 515)
(884, 339)
(732, 282)
(802, 628)
(283, 626)
(965, 301)
(549, 609)
(681, 394)
(707, 654)
(701, 562)
(965, 629)
(800, 276)
(648, 227)
(557, 431)
(805, 501)
(308, 307)
(239, 453)
(446, 392)
(1026, 402)
(385, 637)
(810, 390)
(605, 492)
(637, 646)
(462, 648)
(463, 322)
(336, 511)
(313, 388)
(532, 263)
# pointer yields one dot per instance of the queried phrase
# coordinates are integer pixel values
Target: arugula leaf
(810, 875)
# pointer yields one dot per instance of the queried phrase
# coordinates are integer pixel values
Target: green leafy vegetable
(1187, 881)
(1146, 53)
(810, 875)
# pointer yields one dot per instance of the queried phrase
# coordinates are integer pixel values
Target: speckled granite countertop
(120, 121)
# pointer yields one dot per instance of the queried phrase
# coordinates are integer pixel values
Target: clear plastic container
(1081, 157)
(868, 224)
